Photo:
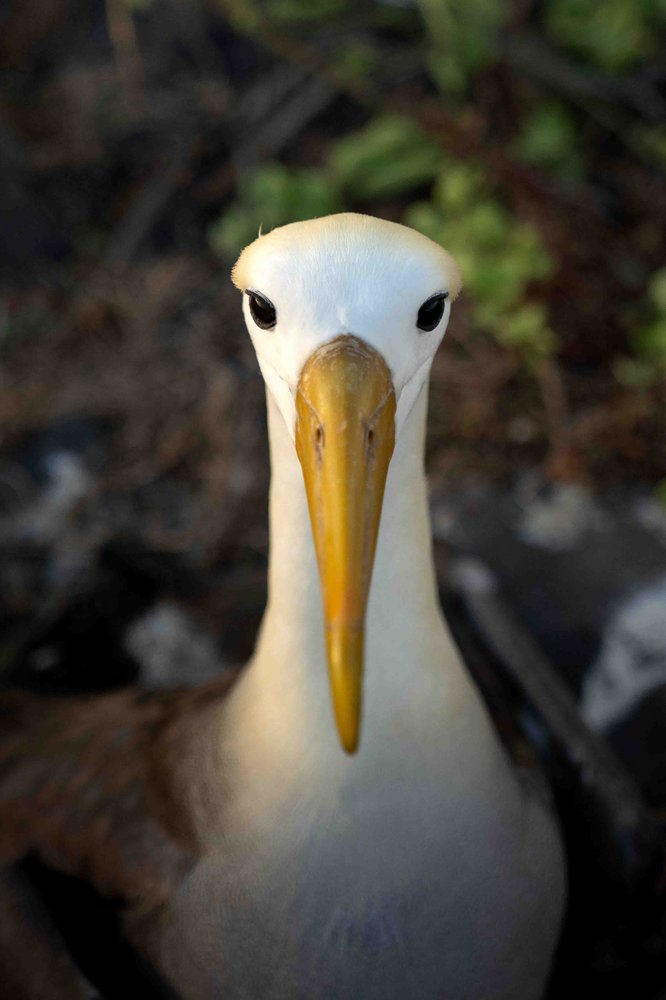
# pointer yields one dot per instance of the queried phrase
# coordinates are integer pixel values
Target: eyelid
(258, 295)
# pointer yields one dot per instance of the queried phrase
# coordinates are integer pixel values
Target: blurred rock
(632, 659)
(171, 648)
(560, 520)
(77, 640)
(67, 485)
(79, 435)
(565, 561)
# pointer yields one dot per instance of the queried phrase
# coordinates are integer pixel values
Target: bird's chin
(281, 394)
(409, 393)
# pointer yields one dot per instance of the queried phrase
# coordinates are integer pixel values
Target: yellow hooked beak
(345, 433)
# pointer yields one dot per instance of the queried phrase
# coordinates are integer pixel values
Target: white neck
(403, 591)
(418, 700)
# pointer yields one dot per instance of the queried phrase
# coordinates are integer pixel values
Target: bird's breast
(402, 886)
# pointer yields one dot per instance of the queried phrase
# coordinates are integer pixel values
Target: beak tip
(349, 740)
(345, 662)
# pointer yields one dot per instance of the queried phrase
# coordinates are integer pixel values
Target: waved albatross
(258, 844)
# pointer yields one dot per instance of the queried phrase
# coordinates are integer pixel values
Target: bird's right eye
(262, 310)
(432, 311)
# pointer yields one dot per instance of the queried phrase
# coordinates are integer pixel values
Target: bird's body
(256, 859)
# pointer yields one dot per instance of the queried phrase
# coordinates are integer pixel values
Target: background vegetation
(144, 142)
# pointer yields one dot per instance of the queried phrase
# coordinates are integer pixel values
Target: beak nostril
(319, 436)
(370, 437)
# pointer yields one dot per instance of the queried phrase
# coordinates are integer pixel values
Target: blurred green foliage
(271, 196)
(462, 37)
(357, 60)
(660, 492)
(500, 257)
(257, 15)
(648, 363)
(452, 200)
(650, 140)
(549, 139)
(390, 156)
(296, 10)
(612, 35)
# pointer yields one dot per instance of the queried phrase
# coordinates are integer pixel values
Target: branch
(629, 830)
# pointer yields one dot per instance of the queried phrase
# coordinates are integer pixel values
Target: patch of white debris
(443, 519)
(44, 515)
(632, 659)
(48, 516)
(560, 520)
(172, 648)
(650, 513)
(472, 576)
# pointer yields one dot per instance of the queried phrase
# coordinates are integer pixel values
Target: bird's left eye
(431, 311)
(262, 310)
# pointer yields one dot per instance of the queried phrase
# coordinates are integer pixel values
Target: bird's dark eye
(263, 311)
(431, 311)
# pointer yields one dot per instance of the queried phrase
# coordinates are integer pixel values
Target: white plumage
(420, 868)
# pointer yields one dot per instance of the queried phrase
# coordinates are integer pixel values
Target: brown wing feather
(110, 788)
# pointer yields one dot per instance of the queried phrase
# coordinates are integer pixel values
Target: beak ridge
(345, 434)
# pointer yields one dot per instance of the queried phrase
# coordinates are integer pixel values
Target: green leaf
(529, 252)
(261, 17)
(498, 256)
(464, 37)
(633, 373)
(271, 196)
(650, 341)
(611, 34)
(357, 61)
(527, 329)
(657, 289)
(425, 218)
(489, 224)
(457, 187)
(650, 140)
(232, 231)
(549, 138)
(496, 282)
(390, 156)
(660, 492)
(448, 74)
(296, 11)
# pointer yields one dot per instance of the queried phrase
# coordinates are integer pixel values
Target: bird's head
(345, 314)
